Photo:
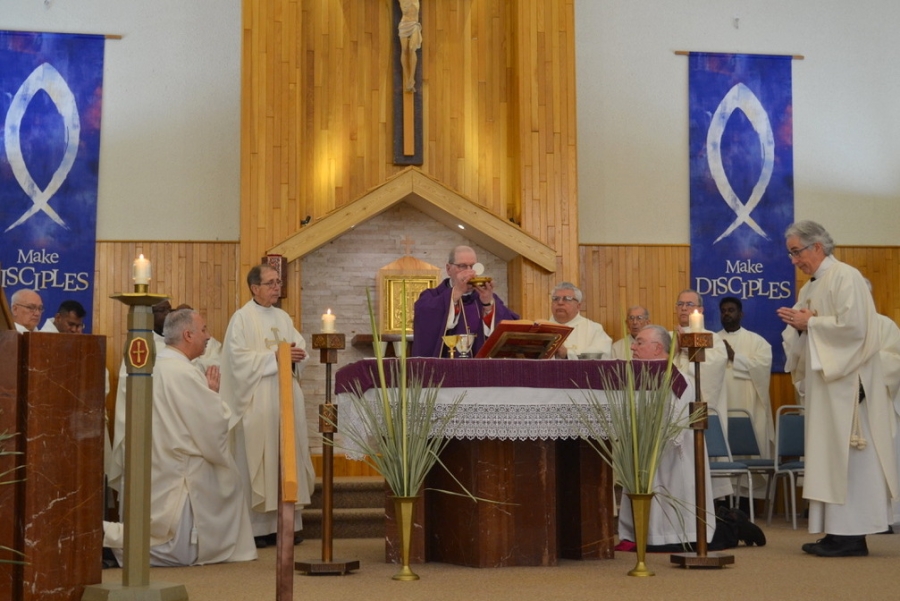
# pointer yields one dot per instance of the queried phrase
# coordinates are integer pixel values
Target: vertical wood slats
(316, 105)
(203, 275)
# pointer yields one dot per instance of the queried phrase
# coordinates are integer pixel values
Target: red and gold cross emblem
(138, 353)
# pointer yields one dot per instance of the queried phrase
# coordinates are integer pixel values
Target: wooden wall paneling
(201, 274)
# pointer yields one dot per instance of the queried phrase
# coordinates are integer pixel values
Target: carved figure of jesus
(410, 32)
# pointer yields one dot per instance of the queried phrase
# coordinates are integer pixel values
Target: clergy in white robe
(198, 512)
(637, 318)
(832, 343)
(747, 375)
(712, 371)
(26, 308)
(69, 318)
(250, 387)
(587, 337)
(890, 365)
(114, 466)
(673, 516)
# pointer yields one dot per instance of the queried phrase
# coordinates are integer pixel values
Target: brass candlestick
(140, 355)
(328, 345)
(696, 343)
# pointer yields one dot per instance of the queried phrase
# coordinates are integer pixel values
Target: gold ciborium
(451, 340)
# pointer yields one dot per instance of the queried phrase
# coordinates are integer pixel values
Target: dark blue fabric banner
(742, 187)
(51, 88)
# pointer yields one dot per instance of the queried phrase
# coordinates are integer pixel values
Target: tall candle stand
(696, 344)
(328, 344)
(140, 355)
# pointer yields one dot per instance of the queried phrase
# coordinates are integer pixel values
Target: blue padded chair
(790, 447)
(721, 464)
(743, 444)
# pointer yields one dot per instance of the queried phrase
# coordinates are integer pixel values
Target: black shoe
(109, 559)
(261, 541)
(890, 530)
(809, 547)
(840, 546)
(298, 538)
(751, 534)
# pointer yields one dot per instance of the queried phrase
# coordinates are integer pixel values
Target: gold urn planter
(640, 510)
(404, 512)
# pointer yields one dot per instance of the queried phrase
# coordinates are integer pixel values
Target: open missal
(524, 339)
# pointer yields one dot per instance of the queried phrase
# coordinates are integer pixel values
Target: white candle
(140, 271)
(328, 321)
(696, 321)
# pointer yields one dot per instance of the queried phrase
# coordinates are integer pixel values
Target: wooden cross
(407, 242)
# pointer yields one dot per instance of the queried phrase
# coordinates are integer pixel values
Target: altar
(517, 440)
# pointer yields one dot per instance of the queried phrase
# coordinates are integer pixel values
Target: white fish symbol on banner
(46, 78)
(741, 97)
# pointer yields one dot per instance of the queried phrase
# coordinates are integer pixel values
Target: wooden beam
(432, 198)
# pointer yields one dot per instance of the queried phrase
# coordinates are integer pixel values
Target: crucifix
(407, 84)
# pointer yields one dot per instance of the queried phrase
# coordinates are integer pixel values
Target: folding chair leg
(793, 500)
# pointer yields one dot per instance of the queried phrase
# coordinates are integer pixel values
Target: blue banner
(742, 187)
(51, 90)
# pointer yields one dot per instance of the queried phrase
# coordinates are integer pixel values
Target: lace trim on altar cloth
(518, 422)
(508, 422)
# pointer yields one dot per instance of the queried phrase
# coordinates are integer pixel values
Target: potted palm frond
(401, 433)
(630, 425)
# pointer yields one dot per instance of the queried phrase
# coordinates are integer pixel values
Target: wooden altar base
(555, 500)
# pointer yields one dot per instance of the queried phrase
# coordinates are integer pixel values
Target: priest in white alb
(747, 376)
(832, 342)
(712, 370)
(587, 337)
(198, 513)
(250, 387)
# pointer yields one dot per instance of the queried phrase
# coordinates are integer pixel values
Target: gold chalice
(451, 340)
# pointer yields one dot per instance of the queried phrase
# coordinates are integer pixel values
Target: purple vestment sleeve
(430, 319)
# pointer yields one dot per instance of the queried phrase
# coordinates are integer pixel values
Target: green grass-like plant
(632, 423)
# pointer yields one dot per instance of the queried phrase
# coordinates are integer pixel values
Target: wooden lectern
(52, 397)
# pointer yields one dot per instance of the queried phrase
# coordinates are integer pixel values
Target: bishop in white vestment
(832, 342)
(250, 387)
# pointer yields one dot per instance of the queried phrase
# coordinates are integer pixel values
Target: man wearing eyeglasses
(455, 306)
(674, 524)
(712, 370)
(249, 385)
(832, 342)
(637, 318)
(27, 308)
(587, 337)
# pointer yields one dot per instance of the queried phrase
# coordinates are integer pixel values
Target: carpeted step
(357, 511)
(349, 492)
(347, 523)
